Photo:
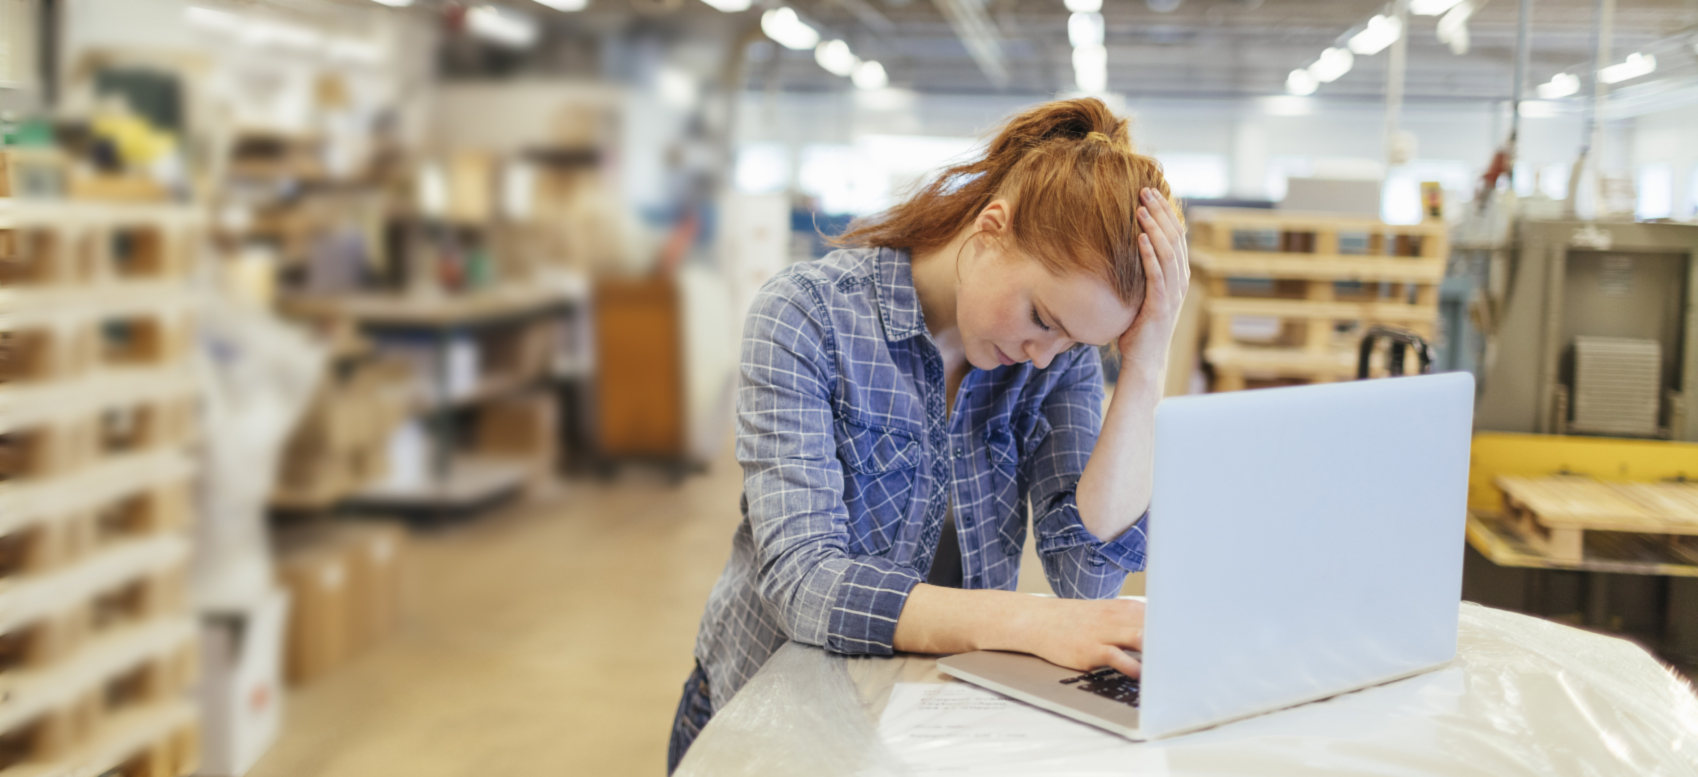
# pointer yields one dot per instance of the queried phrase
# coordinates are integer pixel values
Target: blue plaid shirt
(851, 461)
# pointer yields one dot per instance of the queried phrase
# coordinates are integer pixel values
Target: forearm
(953, 620)
(1118, 479)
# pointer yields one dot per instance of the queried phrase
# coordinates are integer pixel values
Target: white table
(1524, 697)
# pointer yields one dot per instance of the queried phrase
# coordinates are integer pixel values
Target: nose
(1042, 353)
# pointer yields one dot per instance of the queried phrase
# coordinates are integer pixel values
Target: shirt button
(960, 453)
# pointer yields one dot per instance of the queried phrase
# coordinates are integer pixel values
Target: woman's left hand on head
(1167, 273)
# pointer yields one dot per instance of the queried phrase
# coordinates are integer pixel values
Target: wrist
(1011, 626)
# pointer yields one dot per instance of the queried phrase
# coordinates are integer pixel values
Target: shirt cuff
(870, 598)
(1062, 529)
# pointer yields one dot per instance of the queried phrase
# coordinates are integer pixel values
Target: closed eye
(1039, 321)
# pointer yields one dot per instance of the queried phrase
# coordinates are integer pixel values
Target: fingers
(1121, 662)
(1163, 212)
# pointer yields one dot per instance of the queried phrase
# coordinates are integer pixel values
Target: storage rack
(1324, 278)
(97, 644)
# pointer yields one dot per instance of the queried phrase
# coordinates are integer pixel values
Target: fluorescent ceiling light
(395, 3)
(836, 58)
(870, 75)
(1090, 68)
(1334, 62)
(1453, 28)
(212, 19)
(566, 5)
(1085, 29)
(1301, 82)
(1084, 6)
(1430, 7)
(259, 32)
(1637, 65)
(729, 6)
(788, 30)
(1560, 85)
(497, 25)
(1382, 31)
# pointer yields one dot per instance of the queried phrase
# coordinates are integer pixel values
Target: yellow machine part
(1604, 458)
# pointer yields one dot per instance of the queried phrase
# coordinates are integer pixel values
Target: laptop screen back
(1303, 542)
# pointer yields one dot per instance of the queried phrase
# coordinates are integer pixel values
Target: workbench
(1524, 696)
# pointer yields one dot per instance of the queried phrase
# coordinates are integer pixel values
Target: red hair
(1071, 177)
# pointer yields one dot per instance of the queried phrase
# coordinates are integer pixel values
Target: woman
(905, 400)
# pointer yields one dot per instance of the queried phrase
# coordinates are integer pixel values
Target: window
(762, 168)
(1203, 176)
(1655, 190)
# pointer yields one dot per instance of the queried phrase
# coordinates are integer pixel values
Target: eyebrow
(1057, 320)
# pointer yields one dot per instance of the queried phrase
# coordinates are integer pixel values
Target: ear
(994, 219)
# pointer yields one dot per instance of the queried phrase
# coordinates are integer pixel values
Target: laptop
(1304, 542)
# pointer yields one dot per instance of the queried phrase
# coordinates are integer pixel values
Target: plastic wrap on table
(257, 376)
(1523, 697)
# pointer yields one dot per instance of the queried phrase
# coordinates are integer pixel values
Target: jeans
(694, 709)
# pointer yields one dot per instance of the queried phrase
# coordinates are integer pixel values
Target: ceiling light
(1636, 65)
(1560, 85)
(729, 6)
(1382, 31)
(1084, 6)
(396, 3)
(498, 25)
(1334, 62)
(870, 75)
(1085, 29)
(1453, 28)
(1430, 7)
(1537, 109)
(1090, 68)
(676, 87)
(1301, 82)
(566, 5)
(211, 19)
(788, 30)
(836, 58)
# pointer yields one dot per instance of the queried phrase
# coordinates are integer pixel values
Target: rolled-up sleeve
(1079, 564)
(821, 594)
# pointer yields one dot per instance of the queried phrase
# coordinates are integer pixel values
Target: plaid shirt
(850, 463)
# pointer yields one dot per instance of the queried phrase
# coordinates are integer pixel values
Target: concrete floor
(548, 638)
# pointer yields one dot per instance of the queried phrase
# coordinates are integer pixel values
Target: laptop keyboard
(1107, 683)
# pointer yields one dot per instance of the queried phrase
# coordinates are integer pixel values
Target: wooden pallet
(1554, 513)
(44, 245)
(1316, 282)
(57, 446)
(110, 678)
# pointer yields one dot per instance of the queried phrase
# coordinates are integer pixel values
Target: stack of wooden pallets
(1553, 514)
(1288, 296)
(97, 409)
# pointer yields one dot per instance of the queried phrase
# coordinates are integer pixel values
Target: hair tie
(1099, 137)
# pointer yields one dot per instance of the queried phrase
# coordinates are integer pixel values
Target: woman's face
(1011, 309)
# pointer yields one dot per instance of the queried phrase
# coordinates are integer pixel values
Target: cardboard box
(317, 575)
(525, 427)
(241, 690)
(377, 558)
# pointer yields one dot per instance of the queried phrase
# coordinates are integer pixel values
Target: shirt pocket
(880, 466)
(1009, 445)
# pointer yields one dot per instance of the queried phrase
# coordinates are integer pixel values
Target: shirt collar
(898, 302)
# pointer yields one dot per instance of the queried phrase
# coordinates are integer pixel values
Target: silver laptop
(1304, 542)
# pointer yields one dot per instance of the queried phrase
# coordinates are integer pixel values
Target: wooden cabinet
(639, 375)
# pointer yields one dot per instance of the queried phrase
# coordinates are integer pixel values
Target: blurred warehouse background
(366, 366)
